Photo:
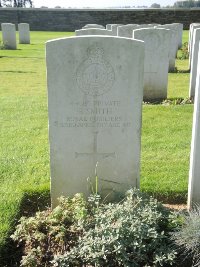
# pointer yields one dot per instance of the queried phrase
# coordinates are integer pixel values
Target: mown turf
(24, 151)
(166, 141)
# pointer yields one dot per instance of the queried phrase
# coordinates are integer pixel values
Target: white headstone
(190, 33)
(194, 61)
(193, 27)
(94, 100)
(173, 44)
(157, 43)
(194, 174)
(154, 24)
(91, 31)
(178, 27)
(114, 28)
(9, 35)
(127, 30)
(109, 26)
(97, 26)
(24, 33)
(179, 33)
(190, 30)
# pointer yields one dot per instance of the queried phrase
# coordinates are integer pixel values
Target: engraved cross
(95, 152)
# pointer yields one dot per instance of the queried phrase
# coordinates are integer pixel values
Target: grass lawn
(24, 151)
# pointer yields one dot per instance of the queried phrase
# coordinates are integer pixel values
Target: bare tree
(16, 3)
(155, 5)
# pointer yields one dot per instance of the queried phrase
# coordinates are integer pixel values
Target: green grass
(166, 137)
(24, 150)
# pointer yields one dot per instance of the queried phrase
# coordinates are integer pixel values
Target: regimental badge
(95, 75)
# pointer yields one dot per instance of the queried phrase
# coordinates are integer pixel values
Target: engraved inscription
(95, 114)
(95, 152)
(95, 75)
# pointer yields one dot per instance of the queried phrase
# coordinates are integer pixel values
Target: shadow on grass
(22, 57)
(179, 71)
(19, 71)
(169, 101)
(32, 201)
(169, 197)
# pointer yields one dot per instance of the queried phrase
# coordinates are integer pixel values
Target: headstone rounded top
(97, 26)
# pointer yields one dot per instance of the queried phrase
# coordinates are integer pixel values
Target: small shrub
(2, 46)
(188, 236)
(177, 101)
(50, 232)
(184, 54)
(132, 232)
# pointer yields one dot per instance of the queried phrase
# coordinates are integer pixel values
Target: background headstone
(157, 43)
(179, 33)
(94, 100)
(127, 30)
(109, 26)
(191, 34)
(114, 28)
(24, 33)
(97, 26)
(9, 35)
(194, 61)
(93, 31)
(173, 44)
(194, 174)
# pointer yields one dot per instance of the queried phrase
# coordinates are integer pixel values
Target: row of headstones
(95, 93)
(161, 46)
(9, 35)
(194, 64)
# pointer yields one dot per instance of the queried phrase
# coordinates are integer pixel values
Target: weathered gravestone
(153, 24)
(194, 61)
(126, 30)
(178, 30)
(93, 31)
(97, 26)
(194, 174)
(190, 34)
(109, 26)
(114, 28)
(173, 44)
(157, 43)
(9, 35)
(179, 27)
(24, 33)
(94, 100)
(191, 38)
(190, 30)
